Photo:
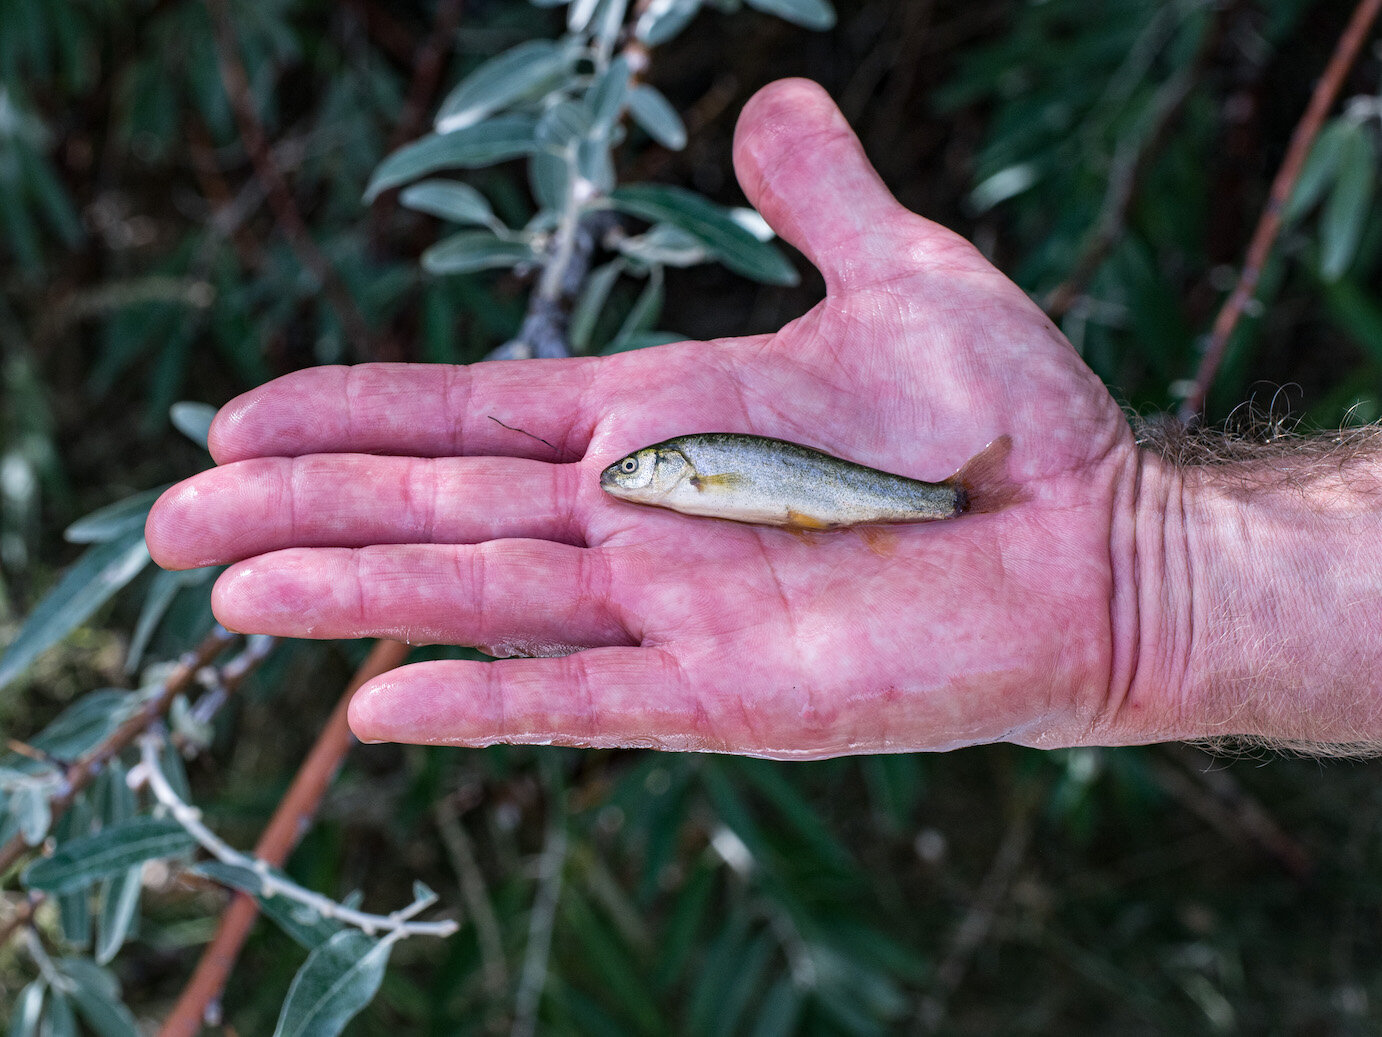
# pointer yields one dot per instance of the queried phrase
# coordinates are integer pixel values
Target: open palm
(389, 500)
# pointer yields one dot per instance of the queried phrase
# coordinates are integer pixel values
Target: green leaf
(792, 810)
(809, 14)
(657, 118)
(646, 309)
(85, 587)
(117, 910)
(303, 924)
(662, 21)
(485, 143)
(192, 419)
(83, 861)
(450, 200)
(475, 250)
(1346, 210)
(29, 803)
(527, 70)
(97, 995)
(58, 1020)
(1318, 170)
(607, 96)
(709, 223)
(81, 726)
(664, 245)
(28, 1009)
(1357, 313)
(105, 524)
(163, 589)
(594, 295)
(779, 1011)
(74, 909)
(338, 979)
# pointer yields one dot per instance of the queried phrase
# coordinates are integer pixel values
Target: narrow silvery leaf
(193, 420)
(85, 587)
(58, 1020)
(28, 1009)
(495, 140)
(666, 245)
(174, 768)
(656, 117)
(114, 519)
(606, 98)
(591, 302)
(663, 19)
(1319, 169)
(338, 979)
(118, 905)
(610, 22)
(84, 861)
(1346, 209)
(449, 200)
(578, 15)
(595, 163)
(712, 225)
(549, 177)
(646, 309)
(563, 125)
(90, 975)
(474, 250)
(524, 71)
(30, 806)
(81, 726)
(163, 589)
(74, 908)
(97, 996)
(809, 14)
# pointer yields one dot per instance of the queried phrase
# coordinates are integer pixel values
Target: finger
(805, 171)
(508, 597)
(427, 410)
(602, 697)
(350, 500)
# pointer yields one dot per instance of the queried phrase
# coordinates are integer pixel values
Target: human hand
(388, 500)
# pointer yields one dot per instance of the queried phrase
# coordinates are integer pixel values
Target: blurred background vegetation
(146, 258)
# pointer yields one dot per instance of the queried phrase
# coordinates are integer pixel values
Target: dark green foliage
(144, 259)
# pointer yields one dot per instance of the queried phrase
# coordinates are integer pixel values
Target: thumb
(803, 168)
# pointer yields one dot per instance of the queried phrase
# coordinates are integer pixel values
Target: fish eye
(629, 465)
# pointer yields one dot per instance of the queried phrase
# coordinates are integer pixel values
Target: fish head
(646, 475)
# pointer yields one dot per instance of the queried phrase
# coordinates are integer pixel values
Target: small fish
(776, 483)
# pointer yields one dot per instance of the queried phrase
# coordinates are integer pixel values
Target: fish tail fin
(983, 482)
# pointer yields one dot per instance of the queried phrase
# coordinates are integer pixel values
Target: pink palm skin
(383, 500)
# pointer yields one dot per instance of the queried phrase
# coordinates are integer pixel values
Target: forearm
(1271, 609)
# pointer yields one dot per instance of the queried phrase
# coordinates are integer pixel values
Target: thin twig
(541, 922)
(285, 828)
(272, 885)
(237, 87)
(460, 850)
(1130, 164)
(1264, 237)
(81, 774)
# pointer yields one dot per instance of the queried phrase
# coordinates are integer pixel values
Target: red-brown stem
(285, 828)
(84, 771)
(290, 222)
(1264, 237)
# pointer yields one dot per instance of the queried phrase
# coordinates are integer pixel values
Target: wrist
(1272, 579)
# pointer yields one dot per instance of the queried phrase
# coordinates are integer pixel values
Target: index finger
(516, 408)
